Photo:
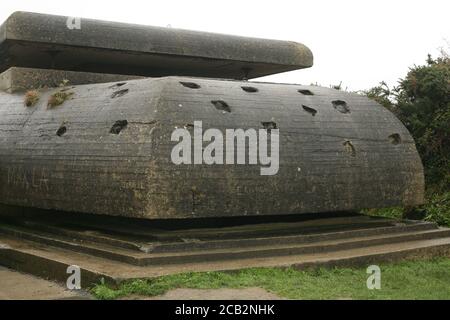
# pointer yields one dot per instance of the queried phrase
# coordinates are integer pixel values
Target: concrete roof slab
(45, 41)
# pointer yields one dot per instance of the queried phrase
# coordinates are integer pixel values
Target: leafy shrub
(422, 102)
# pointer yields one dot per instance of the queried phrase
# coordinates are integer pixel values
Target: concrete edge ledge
(29, 26)
(49, 269)
(18, 79)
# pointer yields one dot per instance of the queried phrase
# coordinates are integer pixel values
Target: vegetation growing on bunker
(422, 102)
(64, 83)
(31, 98)
(58, 98)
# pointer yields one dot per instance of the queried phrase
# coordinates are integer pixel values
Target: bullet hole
(341, 106)
(190, 85)
(250, 89)
(221, 105)
(119, 93)
(309, 110)
(118, 126)
(117, 85)
(395, 138)
(349, 148)
(61, 131)
(269, 125)
(305, 92)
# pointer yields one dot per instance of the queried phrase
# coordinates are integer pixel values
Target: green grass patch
(428, 279)
(395, 213)
(436, 209)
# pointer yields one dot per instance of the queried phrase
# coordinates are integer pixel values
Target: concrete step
(136, 233)
(255, 248)
(51, 262)
(127, 249)
(290, 239)
(160, 241)
(19, 286)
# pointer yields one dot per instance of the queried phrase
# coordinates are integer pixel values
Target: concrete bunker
(114, 123)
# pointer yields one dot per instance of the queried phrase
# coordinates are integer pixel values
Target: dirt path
(19, 286)
(214, 294)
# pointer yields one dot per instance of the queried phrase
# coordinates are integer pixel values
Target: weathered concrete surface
(21, 79)
(45, 41)
(74, 157)
(19, 286)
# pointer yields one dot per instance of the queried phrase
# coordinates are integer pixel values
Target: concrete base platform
(46, 248)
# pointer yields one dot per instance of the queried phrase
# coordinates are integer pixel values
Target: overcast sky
(357, 42)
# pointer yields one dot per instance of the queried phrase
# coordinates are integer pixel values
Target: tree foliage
(422, 102)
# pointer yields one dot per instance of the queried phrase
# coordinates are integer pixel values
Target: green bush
(422, 102)
(423, 105)
(438, 209)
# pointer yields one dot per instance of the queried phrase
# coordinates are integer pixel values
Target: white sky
(357, 42)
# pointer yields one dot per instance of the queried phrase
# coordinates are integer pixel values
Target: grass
(438, 209)
(429, 279)
(396, 213)
(435, 209)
